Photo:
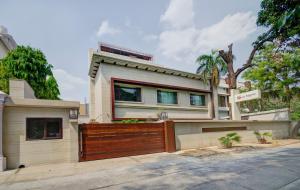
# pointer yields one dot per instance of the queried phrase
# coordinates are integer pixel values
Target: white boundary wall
(189, 135)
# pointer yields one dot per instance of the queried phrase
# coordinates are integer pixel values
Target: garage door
(101, 141)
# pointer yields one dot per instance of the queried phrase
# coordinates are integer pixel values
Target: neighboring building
(126, 84)
(83, 113)
(36, 131)
(7, 42)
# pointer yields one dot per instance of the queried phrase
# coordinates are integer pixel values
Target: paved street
(274, 168)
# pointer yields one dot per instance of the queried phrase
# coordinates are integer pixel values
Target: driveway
(273, 168)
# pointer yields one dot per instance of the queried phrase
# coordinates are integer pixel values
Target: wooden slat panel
(101, 141)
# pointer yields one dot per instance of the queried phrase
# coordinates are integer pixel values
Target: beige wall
(19, 151)
(189, 134)
(102, 97)
(20, 89)
(280, 114)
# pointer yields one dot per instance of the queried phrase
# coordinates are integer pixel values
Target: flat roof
(101, 57)
(39, 103)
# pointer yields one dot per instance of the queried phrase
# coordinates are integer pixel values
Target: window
(166, 97)
(197, 100)
(127, 94)
(43, 128)
(222, 101)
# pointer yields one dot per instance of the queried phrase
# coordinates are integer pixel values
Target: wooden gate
(110, 140)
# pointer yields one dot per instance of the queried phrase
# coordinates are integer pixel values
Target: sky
(175, 32)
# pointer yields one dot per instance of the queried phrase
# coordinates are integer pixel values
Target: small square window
(222, 101)
(166, 97)
(43, 128)
(197, 100)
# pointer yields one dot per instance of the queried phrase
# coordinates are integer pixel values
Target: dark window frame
(139, 95)
(157, 98)
(191, 94)
(45, 120)
(220, 102)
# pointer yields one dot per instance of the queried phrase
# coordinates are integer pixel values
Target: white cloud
(150, 37)
(69, 85)
(189, 41)
(105, 29)
(231, 29)
(179, 14)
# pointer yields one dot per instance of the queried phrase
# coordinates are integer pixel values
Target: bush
(261, 137)
(229, 139)
(130, 121)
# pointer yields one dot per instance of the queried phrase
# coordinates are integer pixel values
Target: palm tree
(211, 66)
(229, 139)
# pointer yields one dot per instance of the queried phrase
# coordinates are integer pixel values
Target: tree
(5, 75)
(31, 65)
(227, 140)
(282, 18)
(211, 66)
(276, 72)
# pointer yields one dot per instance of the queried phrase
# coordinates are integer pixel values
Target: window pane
(222, 101)
(35, 129)
(43, 128)
(127, 94)
(166, 97)
(197, 100)
(53, 129)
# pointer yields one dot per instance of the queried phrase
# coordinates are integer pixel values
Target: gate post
(170, 145)
(80, 151)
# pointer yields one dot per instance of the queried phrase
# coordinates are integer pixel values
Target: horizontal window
(127, 94)
(222, 101)
(197, 100)
(43, 128)
(166, 97)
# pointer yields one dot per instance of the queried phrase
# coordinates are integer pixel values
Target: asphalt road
(276, 168)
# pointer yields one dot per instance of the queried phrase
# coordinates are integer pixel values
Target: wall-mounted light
(73, 114)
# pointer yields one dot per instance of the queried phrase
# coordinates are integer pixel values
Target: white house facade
(127, 85)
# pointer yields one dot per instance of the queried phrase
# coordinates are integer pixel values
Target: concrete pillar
(235, 109)
(92, 100)
(2, 158)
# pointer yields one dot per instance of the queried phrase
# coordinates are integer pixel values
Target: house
(7, 42)
(127, 84)
(35, 131)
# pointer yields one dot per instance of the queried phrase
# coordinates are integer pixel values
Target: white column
(92, 100)
(2, 158)
(235, 109)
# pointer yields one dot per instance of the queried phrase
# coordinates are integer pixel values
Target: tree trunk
(212, 99)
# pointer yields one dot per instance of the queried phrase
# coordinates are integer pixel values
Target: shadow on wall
(281, 116)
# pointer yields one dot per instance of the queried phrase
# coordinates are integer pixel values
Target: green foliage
(261, 137)
(31, 65)
(282, 18)
(130, 121)
(229, 139)
(5, 74)
(295, 110)
(276, 73)
(211, 66)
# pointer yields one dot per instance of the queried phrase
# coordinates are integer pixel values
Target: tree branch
(225, 55)
(257, 46)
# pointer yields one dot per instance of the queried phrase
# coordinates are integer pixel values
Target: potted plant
(229, 139)
(261, 137)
